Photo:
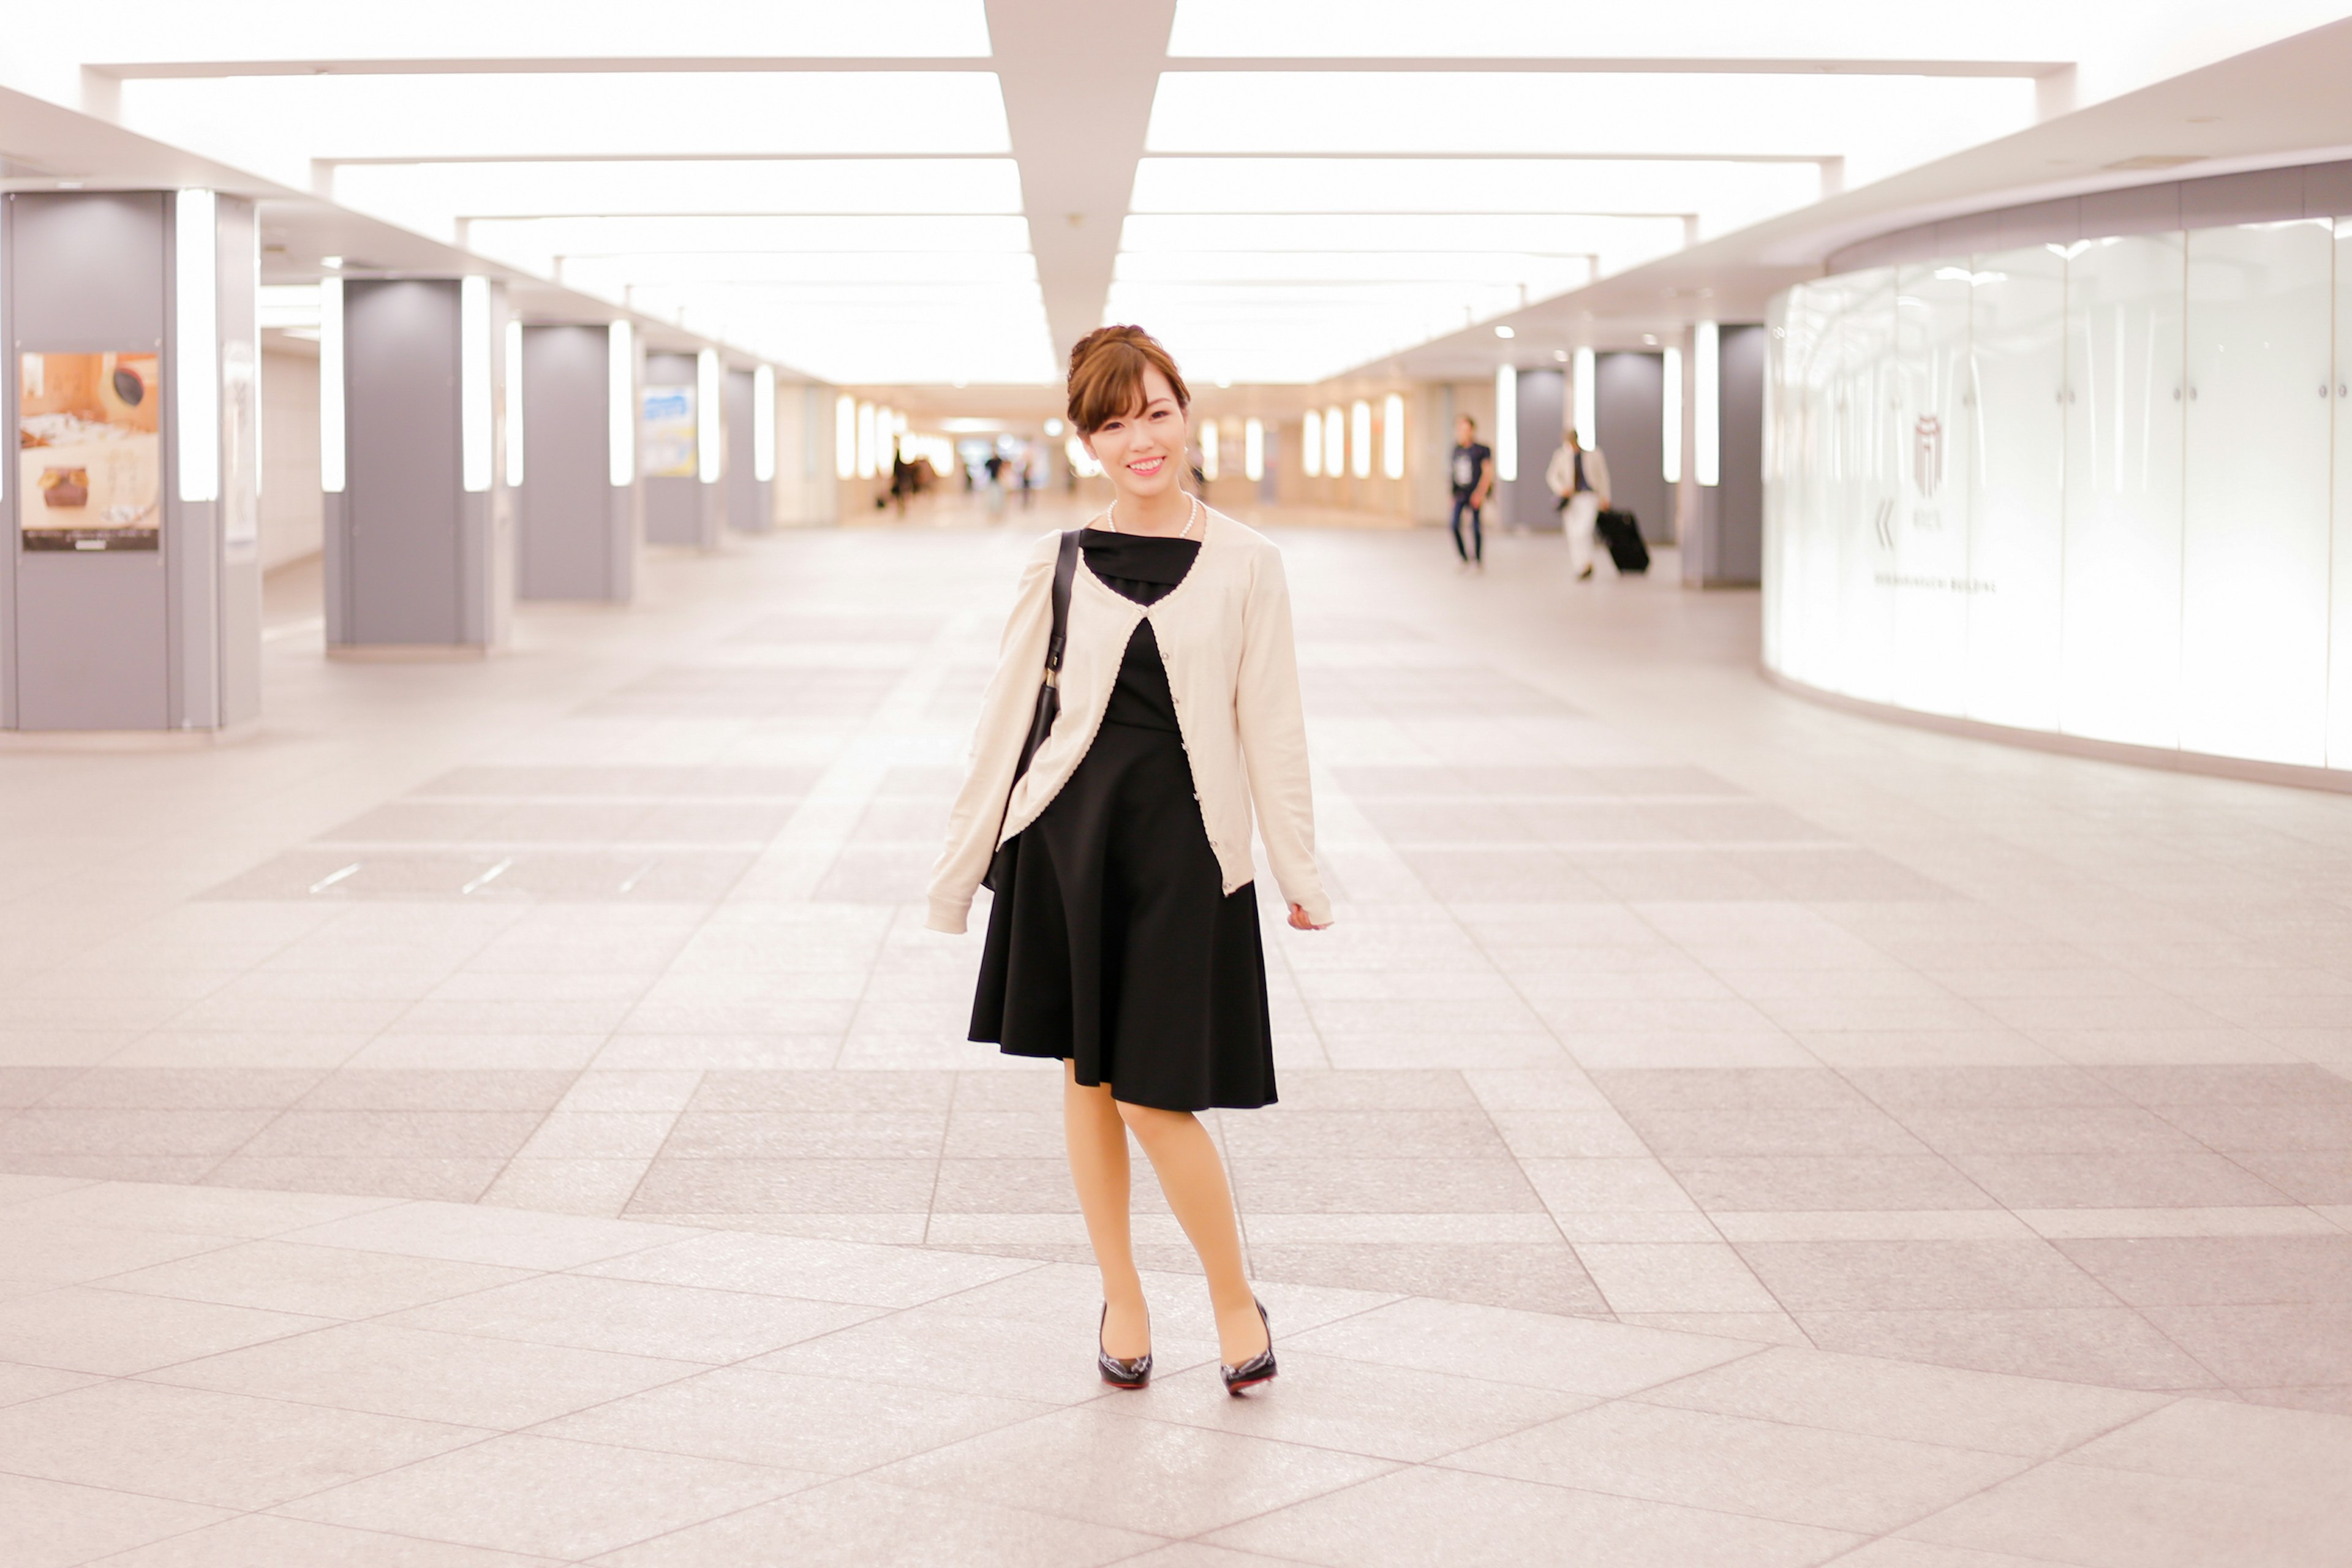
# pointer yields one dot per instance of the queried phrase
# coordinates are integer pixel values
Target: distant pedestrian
(1579, 475)
(1473, 482)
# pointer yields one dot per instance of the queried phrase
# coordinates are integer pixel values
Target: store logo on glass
(1927, 469)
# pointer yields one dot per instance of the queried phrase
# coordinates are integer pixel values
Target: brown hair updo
(1107, 375)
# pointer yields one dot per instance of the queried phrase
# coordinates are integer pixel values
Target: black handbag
(1049, 690)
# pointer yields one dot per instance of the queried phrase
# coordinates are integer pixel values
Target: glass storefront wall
(2090, 487)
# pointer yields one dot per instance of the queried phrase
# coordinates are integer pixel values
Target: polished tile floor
(510, 1111)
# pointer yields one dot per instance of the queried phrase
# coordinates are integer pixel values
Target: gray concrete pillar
(751, 498)
(1629, 404)
(684, 503)
(1727, 549)
(581, 512)
(130, 585)
(420, 541)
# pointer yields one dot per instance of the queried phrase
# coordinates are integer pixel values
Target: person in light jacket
(1579, 475)
(1123, 937)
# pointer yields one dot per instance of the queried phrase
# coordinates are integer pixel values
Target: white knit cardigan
(1224, 635)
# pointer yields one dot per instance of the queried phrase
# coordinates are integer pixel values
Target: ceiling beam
(1078, 79)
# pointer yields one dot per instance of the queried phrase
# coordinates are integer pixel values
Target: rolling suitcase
(1624, 536)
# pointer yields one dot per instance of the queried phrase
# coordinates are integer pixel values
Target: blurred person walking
(1109, 810)
(1474, 481)
(1579, 475)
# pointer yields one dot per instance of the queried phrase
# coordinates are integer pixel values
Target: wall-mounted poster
(90, 457)
(669, 433)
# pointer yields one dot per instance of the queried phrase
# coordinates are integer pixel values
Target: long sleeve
(1596, 474)
(1004, 713)
(1273, 739)
(1561, 472)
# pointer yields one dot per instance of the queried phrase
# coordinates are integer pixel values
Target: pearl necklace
(1110, 516)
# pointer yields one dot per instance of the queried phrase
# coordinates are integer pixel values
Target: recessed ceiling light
(331, 263)
(1651, 338)
(68, 184)
(1560, 354)
(1505, 332)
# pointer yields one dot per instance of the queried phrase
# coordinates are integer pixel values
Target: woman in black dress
(1123, 939)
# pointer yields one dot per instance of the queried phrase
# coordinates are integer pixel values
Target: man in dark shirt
(1473, 482)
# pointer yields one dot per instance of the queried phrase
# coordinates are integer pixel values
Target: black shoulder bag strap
(1049, 690)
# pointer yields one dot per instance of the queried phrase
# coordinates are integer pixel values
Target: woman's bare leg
(1097, 1140)
(1184, 1157)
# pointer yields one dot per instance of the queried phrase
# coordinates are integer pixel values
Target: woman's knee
(1145, 1121)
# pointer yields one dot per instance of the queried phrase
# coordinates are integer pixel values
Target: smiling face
(1142, 449)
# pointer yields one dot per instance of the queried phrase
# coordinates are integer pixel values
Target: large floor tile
(83, 1329)
(548, 1497)
(50, 1524)
(224, 1449)
(1803, 1475)
(2031, 1418)
(1083, 1464)
(262, 1538)
(852, 1524)
(459, 1378)
(1572, 1355)
(1424, 1516)
(631, 1317)
(836, 1425)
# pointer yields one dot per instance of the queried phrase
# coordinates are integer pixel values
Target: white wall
(292, 508)
(2087, 488)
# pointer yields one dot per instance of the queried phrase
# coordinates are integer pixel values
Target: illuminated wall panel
(2101, 487)
(2120, 671)
(2018, 350)
(2253, 600)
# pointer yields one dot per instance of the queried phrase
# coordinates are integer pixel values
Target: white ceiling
(936, 192)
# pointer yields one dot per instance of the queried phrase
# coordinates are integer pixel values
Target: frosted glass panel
(2124, 406)
(1923, 549)
(2018, 353)
(1809, 553)
(2339, 640)
(1865, 411)
(2254, 558)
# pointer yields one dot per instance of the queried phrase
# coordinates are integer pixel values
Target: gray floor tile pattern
(1717, 1130)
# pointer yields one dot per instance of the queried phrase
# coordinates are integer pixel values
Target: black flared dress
(1112, 941)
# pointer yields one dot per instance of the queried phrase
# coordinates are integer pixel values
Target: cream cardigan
(1224, 635)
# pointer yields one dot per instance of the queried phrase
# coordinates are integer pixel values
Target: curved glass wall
(2092, 489)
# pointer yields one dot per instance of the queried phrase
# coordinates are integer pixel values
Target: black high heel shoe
(1117, 1372)
(1258, 1369)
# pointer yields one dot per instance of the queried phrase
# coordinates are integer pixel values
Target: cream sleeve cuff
(949, 916)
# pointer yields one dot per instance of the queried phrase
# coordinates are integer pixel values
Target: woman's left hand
(1298, 920)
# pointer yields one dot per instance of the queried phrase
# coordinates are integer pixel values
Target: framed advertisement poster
(669, 433)
(89, 455)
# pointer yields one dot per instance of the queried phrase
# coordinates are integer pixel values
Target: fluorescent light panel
(441, 193)
(2026, 31)
(172, 32)
(763, 424)
(628, 235)
(1670, 419)
(1506, 422)
(279, 124)
(1443, 185)
(1384, 233)
(621, 403)
(765, 268)
(331, 385)
(474, 382)
(1883, 120)
(1706, 411)
(514, 400)
(709, 433)
(196, 260)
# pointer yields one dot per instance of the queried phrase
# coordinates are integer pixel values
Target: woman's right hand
(1298, 920)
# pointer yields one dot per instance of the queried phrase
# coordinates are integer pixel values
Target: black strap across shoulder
(1049, 692)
